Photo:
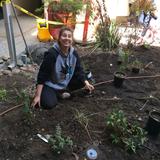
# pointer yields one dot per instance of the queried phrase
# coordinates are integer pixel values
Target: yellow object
(43, 31)
(4, 1)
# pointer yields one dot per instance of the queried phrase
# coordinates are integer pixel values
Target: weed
(123, 133)
(59, 142)
(83, 119)
(3, 95)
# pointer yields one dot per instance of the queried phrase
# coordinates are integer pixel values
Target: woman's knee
(48, 98)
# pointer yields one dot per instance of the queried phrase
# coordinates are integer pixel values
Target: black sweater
(47, 68)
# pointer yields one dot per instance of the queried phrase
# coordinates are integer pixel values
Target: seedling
(146, 46)
(59, 142)
(137, 64)
(26, 109)
(123, 133)
(3, 95)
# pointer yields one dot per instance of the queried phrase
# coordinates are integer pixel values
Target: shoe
(65, 95)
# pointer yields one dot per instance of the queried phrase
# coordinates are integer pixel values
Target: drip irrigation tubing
(126, 78)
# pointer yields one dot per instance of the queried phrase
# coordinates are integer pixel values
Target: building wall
(117, 8)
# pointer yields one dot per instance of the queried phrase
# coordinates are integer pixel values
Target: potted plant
(64, 11)
(153, 123)
(119, 77)
(136, 66)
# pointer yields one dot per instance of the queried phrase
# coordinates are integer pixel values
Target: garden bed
(137, 96)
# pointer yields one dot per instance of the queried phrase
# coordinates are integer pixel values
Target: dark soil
(18, 134)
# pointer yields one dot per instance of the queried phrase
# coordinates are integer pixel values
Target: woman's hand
(89, 86)
(36, 102)
(37, 97)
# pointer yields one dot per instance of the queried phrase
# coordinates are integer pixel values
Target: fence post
(10, 34)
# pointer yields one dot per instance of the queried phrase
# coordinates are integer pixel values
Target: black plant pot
(135, 70)
(153, 123)
(119, 62)
(118, 79)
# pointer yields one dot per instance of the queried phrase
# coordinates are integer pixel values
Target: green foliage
(67, 6)
(108, 36)
(146, 45)
(40, 10)
(123, 56)
(26, 109)
(3, 95)
(136, 64)
(59, 142)
(107, 33)
(123, 133)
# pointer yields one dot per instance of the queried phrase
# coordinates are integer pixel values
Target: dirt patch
(19, 138)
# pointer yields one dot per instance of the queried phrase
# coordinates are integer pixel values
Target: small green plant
(123, 56)
(137, 64)
(59, 142)
(26, 109)
(146, 45)
(123, 133)
(3, 95)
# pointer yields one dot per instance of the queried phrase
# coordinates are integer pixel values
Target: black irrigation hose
(109, 81)
(144, 146)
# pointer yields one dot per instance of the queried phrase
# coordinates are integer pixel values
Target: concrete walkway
(29, 28)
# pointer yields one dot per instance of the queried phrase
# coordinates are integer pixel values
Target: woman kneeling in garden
(60, 72)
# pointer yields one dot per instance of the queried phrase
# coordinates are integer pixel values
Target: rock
(1, 61)
(7, 72)
(20, 63)
(4, 58)
(16, 71)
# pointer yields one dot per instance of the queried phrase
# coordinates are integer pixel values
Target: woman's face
(66, 39)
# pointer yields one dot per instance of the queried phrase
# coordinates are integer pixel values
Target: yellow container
(43, 31)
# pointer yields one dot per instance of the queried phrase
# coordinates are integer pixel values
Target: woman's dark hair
(64, 29)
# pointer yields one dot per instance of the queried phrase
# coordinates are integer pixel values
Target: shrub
(107, 33)
(123, 133)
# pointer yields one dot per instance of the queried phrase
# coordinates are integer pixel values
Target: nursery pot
(119, 61)
(118, 79)
(153, 123)
(135, 70)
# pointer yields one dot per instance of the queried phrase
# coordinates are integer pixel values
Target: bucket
(153, 123)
